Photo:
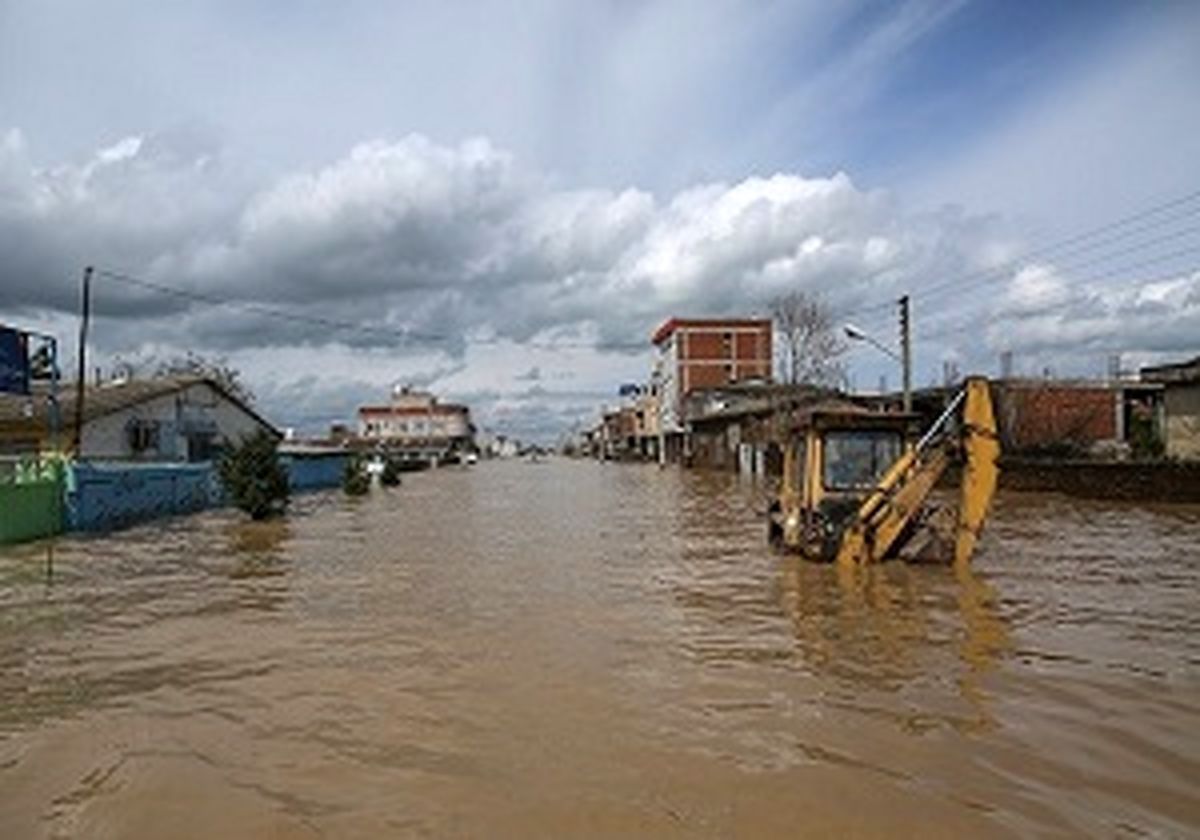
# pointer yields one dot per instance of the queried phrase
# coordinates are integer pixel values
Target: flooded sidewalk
(571, 649)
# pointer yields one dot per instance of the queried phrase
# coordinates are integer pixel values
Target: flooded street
(575, 649)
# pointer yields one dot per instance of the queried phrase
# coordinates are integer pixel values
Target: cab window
(796, 479)
(858, 459)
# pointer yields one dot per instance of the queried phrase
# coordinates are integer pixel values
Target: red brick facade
(712, 353)
(1041, 415)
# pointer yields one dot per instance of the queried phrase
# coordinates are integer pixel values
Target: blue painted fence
(102, 497)
(314, 471)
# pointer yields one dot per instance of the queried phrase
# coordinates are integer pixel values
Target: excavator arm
(981, 447)
(890, 511)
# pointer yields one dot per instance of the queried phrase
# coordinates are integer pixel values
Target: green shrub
(253, 477)
(1144, 439)
(390, 477)
(356, 481)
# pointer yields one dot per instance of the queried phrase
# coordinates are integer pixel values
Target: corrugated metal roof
(1179, 372)
(99, 401)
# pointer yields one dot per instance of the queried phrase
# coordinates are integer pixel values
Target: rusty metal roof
(22, 415)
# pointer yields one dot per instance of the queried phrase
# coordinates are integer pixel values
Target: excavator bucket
(981, 448)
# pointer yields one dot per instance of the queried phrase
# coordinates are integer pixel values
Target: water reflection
(987, 638)
(257, 561)
(880, 627)
(257, 547)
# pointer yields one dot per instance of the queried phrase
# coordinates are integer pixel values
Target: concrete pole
(85, 315)
(906, 351)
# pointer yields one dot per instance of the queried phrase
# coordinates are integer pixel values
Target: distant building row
(710, 399)
(692, 355)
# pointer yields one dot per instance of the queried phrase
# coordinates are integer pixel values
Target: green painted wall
(30, 508)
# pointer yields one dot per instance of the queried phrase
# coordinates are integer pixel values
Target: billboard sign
(14, 361)
(43, 361)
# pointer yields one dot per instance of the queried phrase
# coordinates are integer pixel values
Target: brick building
(1063, 415)
(694, 354)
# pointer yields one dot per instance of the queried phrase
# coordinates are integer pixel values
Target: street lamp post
(904, 357)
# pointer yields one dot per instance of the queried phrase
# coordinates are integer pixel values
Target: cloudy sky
(501, 200)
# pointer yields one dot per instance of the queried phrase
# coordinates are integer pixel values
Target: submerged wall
(31, 505)
(105, 496)
(1135, 481)
(307, 471)
(108, 495)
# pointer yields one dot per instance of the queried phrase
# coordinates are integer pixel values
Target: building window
(203, 446)
(143, 436)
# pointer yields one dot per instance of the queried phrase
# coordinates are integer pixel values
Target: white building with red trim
(416, 419)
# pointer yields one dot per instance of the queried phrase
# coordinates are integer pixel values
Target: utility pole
(906, 351)
(85, 314)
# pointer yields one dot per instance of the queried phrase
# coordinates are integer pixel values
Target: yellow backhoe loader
(856, 490)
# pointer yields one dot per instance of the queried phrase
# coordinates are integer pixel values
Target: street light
(855, 334)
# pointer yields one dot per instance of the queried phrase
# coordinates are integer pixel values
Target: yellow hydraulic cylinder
(981, 446)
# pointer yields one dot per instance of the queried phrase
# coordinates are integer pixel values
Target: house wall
(718, 354)
(1181, 405)
(747, 443)
(1132, 481)
(1035, 416)
(649, 423)
(107, 437)
(666, 382)
(711, 354)
(408, 426)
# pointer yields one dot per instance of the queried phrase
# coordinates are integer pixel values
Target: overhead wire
(402, 334)
(1123, 271)
(1084, 244)
(1069, 251)
(971, 322)
(982, 276)
(1103, 257)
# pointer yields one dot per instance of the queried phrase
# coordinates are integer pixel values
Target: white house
(175, 418)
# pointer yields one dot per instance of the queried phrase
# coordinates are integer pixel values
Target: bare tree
(808, 339)
(216, 368)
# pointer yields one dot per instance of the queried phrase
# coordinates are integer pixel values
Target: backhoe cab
(856, 488)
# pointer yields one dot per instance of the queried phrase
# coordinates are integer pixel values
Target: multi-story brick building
(699, 353)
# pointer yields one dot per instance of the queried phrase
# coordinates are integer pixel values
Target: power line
(962, 282)
(1075, 245)
(403, 334)
(1079, 245)
(970, 323)
(1103, 258)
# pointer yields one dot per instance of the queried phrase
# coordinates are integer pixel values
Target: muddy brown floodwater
(571, 649)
